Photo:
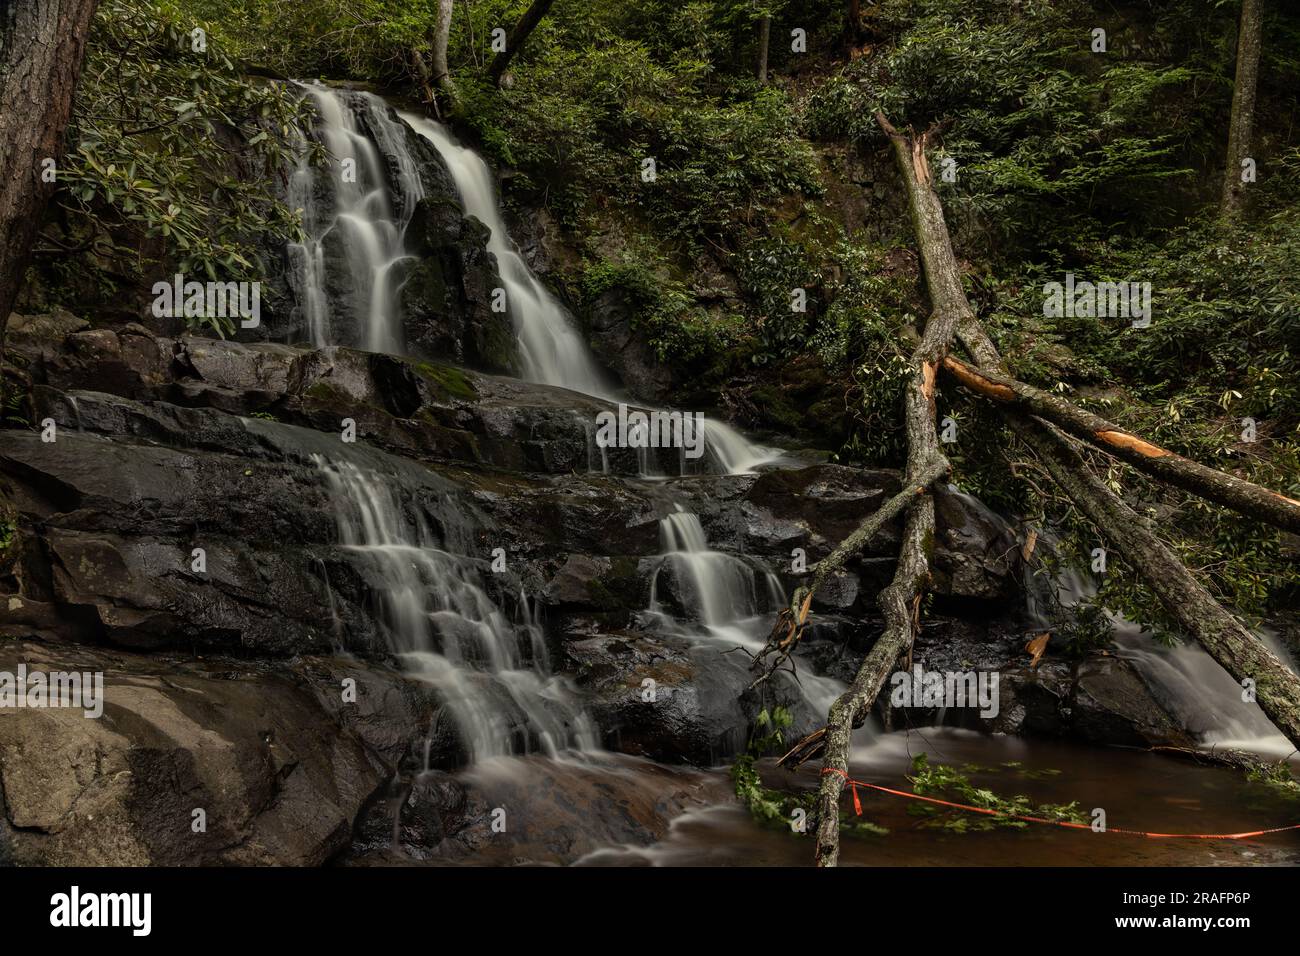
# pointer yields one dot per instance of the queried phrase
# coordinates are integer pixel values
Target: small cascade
(491, 672)
(550, 346)
(718, 595)
(1184, 678)
(717, 589)
(355, 212)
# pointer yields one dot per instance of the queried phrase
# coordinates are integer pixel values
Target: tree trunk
(42, 45)
(440, 72)
(518, 36)
(900, 600)
(1213, 485)
(1241, 124)
(1236, 649)
(764, 40)
(853, 22)
(1190, 604)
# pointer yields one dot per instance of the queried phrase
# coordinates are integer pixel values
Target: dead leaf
(1037, 646)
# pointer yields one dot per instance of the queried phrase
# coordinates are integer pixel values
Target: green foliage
(582, 121)
(764, 804)
(152, 128)
(770, 268)
(1035, 121)
(1277, 777)
(1220, 349)
(941, 780)
(774, 806)
(344, 39)
(676, 327)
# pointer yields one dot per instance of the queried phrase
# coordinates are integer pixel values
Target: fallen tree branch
(1223, 636)
(1236, 649)
(896, 602)
(900, 600)
(1209, 483)
(790, 623)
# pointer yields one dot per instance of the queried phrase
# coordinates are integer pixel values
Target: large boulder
(198, 763)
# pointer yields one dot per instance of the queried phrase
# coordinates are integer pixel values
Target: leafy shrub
(154, 131)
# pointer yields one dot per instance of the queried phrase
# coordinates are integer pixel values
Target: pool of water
(1138, 790)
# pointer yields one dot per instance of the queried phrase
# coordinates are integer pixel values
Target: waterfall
(490, 672)
(552, 351)
(717, 588)
(354, 219)
(1184, 678)
(432, 604)
(720, 592)
(550, 348)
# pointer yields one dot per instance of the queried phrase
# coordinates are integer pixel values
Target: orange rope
(857, 808)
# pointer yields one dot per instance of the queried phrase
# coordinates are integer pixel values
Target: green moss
(327, 392)
(618, 588)
(776, 407)
(446, 381)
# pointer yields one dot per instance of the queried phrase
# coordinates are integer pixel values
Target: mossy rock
(619, 587)
(447, 381)
(776, 407)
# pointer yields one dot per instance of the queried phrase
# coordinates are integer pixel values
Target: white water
(720, 593)
(491, 673)
(552, 351)
(433, 608)
(1190, 684)
(550, 348)
(360, 219)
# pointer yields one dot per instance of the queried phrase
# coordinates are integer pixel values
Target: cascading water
(491, 673)
(549, 346)
(1184, 678)
(552, 351)
(718, 589)
(721, 593)
(355, 224)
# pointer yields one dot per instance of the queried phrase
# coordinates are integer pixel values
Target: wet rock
(1096, 698)
(43, 329)
(676, 698)
(446, 300)
(528, 811)
(619, 345)
(975, 549)
(278, 782)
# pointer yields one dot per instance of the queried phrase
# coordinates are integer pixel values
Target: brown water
(1138, 790)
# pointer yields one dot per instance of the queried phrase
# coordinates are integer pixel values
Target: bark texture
(518, 36)
(900, 600)
(1241, 123)
(440, 72)
(764, 41)
(42, 46)
(1209, 483)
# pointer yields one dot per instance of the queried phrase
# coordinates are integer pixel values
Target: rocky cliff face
(245, 539)
(226, 687)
